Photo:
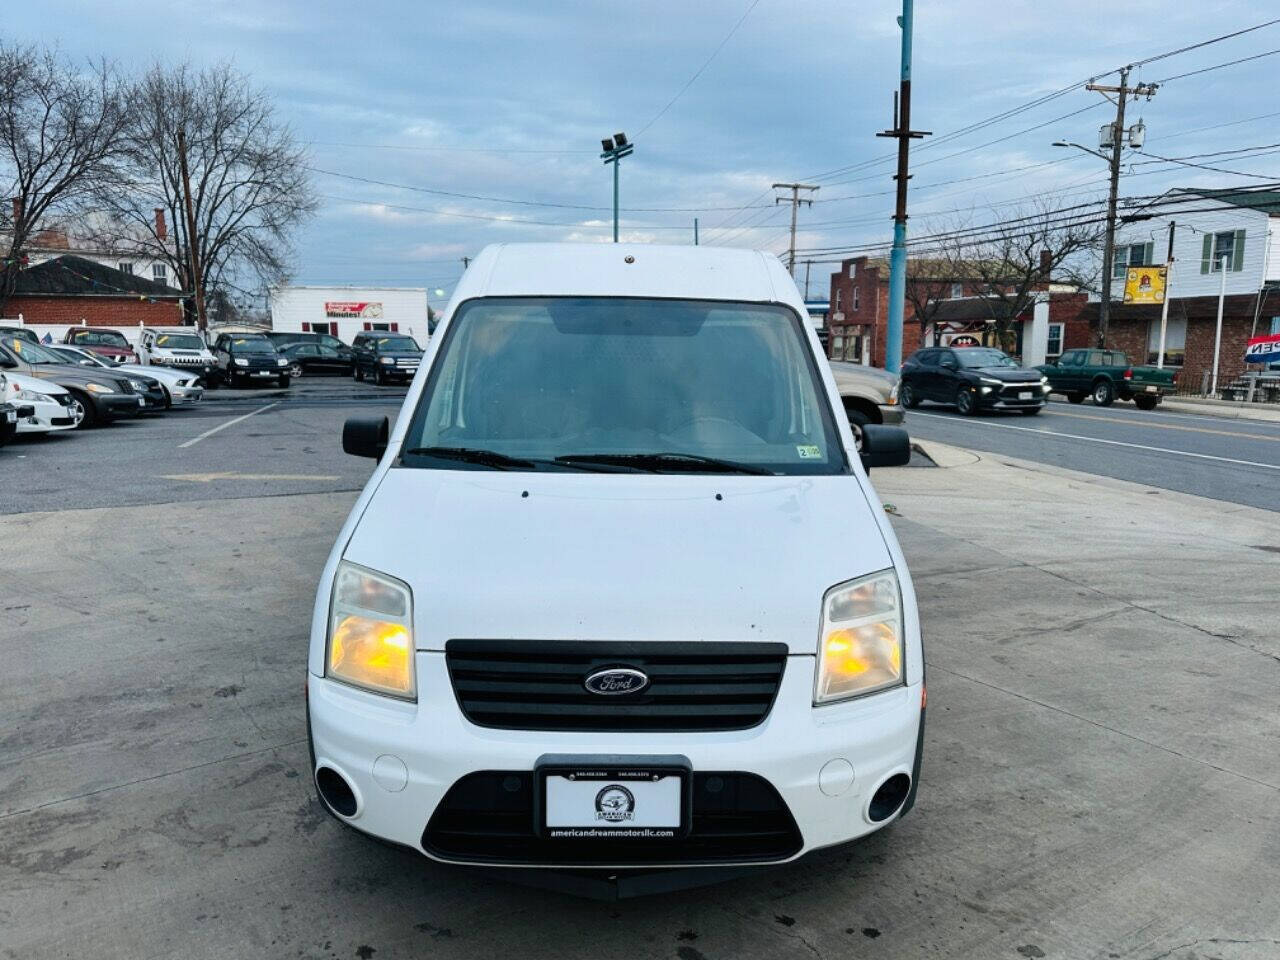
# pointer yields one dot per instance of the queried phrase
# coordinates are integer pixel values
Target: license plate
(1151, 389)
(1025, 395)
(11, 416)
(264, 373)
(142, 401)
(592, 802)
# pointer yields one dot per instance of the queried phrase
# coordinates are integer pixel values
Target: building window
(853, 349)
(957, 291)
(1054, 346)
(837, 299)
(1175, 341)
(1224, 245)
(158, 272)
(837, 347)
(1130, 255)
(125, 266)
(855, 299)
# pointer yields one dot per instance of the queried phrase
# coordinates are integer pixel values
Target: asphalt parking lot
(1101, 768)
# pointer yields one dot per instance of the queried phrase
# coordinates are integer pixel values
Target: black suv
(249, 356)
(972, 378)
(385, 356)
(282, 339)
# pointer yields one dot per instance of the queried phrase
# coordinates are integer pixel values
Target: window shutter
(1206, 253)
(1146, 254)
(1237, 259)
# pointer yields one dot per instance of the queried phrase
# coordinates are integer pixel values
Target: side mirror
(366, 436)
(7, 363)
(884, 447)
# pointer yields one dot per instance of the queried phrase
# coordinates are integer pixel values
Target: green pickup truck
(1106, 375)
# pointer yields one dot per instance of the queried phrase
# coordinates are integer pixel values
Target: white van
(619, 596)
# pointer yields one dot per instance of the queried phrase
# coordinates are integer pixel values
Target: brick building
(72, 291)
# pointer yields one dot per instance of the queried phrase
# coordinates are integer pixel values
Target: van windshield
(668, 386)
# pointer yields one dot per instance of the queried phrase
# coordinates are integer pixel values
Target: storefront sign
(1263, 349)
(352, 310)
(1144, 284)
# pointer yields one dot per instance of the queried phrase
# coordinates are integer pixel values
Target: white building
(1241, 225)
(96, 237)
(345, 311)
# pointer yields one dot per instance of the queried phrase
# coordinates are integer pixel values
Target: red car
(104, 342)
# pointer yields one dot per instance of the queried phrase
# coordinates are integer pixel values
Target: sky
(507, 100)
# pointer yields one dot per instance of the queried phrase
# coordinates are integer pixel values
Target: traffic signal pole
(903, 133)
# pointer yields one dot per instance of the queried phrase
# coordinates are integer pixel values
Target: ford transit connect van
(619, 597)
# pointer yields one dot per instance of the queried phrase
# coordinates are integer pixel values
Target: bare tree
(249, 184)
(61, 139)
(1014, 260)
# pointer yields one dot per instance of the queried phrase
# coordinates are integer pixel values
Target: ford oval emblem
(616, 681)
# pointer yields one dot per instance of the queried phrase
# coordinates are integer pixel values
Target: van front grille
(539, 685)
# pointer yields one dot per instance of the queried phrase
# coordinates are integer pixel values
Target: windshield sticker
(808, 451)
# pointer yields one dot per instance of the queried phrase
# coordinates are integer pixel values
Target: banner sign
(352, 310)
(1144, 284)
(1263, 349)
(965, 340)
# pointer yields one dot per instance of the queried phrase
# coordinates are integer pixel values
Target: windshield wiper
(666, 462)
(492, 458)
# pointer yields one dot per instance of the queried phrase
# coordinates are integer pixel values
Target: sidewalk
(1232, 409)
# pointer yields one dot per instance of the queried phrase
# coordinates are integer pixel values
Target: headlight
(139, 385)
(32, 396)
(1044, 379)
(97, 388)
(241, 363)
(861, 648)
(371, 632)
(386, 360)
(282, 362)
(893, 395)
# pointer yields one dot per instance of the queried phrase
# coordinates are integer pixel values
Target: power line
(697, 73)
(1219, 66)
(1204, 43)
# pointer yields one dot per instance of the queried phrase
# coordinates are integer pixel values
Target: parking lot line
(1113, 443)
(230, 423)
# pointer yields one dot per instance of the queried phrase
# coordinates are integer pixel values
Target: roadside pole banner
(1263, 349)
(1144, 284)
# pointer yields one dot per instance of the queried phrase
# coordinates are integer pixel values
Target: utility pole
(1164, 307)
(807, 265)
(193, 252)
(795, 202)
(1217, 336)
(695, 231)
(466, 262)
(1115, 140)
(903, 133)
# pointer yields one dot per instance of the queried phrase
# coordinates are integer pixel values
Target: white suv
(183, 349)
(619, 596)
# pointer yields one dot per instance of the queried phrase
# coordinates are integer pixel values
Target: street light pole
(1217, 336)
(615, 149)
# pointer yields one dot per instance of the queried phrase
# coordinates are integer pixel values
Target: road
(1233, 460)
(234, 443)
(1081, 797)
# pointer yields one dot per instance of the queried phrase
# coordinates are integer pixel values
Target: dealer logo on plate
(615, 804)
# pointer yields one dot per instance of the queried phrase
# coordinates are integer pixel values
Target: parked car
(22, 333)
(175, 386)
(384, 356)
(1106, 375)
(598, 652)
(102, 395)
(282, 338)
(45, 407)
(107, 343)
(317, 358)
(869, 395)
(182, 349)
(973, 379)
(249, 357)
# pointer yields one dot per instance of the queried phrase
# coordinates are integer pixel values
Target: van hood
(631, 557)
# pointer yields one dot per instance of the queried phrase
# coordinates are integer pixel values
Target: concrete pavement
(1101, 777)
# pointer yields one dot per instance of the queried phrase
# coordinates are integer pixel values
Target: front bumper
(1012, 397)
(825, 763)
(46, 417)
(190, 394)
(891, 414)
(115, 406)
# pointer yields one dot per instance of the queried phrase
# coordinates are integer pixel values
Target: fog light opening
(889, 797)
(337, 793)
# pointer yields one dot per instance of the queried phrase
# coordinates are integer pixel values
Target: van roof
(602, 269)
